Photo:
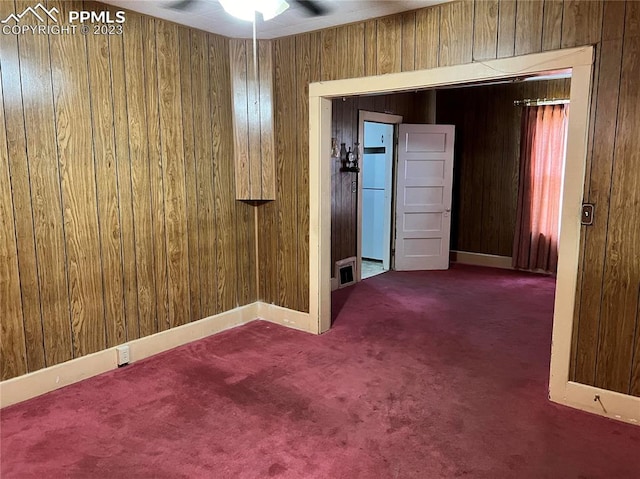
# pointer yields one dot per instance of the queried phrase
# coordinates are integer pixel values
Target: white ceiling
(208, 15)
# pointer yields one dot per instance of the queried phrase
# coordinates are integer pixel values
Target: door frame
(580, 62)
(387, 118)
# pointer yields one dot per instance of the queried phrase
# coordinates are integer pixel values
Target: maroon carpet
(440, 374)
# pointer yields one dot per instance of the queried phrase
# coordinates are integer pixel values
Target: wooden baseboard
(54, 377)
(480, 259)
(621, 407)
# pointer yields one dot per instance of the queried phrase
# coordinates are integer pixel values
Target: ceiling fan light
(247, 9)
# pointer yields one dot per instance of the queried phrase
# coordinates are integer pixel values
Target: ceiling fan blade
(182, 4)
(313, 8)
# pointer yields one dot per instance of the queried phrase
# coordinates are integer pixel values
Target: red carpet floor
(424, 375)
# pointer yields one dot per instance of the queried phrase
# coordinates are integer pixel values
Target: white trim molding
(286, 317)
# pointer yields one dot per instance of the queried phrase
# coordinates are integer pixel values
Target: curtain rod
(541, 101)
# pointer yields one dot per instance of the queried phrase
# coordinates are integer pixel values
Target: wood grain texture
(389, 45)
(529, 20)
(99, 150)
(156, 173)
(427, 38)
(355, 44)
(307, 64)
(239, 77)
(14, 127)
(12, 346)
(370, 50)
(456, 32)
(506, 28)
(224, 202)
(581, 22)
(485, 31)
(79, 196)
(174, 193)
(143, 231)
(599, 194)
(618, 323)
(251, 82)
(330, 53)
(106, 179)
(408, 49)
(254, 122)
(191, 181)
(552, 24)
(286, 157)
(204, 162)
(266, 146)
(125, 192)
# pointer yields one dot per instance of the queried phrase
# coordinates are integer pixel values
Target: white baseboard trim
(286, 317)
(621, 407)
(54, 377)
(480, 259)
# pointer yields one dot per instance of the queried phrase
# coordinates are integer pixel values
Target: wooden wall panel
(107, 188)
(485, 31)
(143, 231)
(119, 161)
(24, 219)
(12, 346)
(44, 180)
(150, 56)
(621, 289)
(408, 50)
(77, 173)
(285, 82)
(172, 151)
(125, 192)
(224, 203)
(191, 181)
(456, 33)
(581, 22)
(552, 24)
(506, 28)
(370, 49)
(529, 20)
(427, 38)
(204, 133)
(389, 45)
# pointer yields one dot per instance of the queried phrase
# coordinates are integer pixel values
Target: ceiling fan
(246, 10)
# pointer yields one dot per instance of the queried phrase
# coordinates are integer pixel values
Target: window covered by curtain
(542, 151)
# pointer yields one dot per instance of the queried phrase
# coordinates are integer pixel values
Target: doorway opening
(375, 192)
(580, 62)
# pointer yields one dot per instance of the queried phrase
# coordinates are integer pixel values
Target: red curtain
(542, 151)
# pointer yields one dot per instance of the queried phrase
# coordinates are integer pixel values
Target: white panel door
(423, 212)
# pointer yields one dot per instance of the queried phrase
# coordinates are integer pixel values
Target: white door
(423, 211)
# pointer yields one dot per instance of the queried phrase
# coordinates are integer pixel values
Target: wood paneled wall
(486, 168)
(252, 92)
(413, 107)
(117, 205)
(607, 346)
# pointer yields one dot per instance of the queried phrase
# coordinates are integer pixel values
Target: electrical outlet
(123, 355)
